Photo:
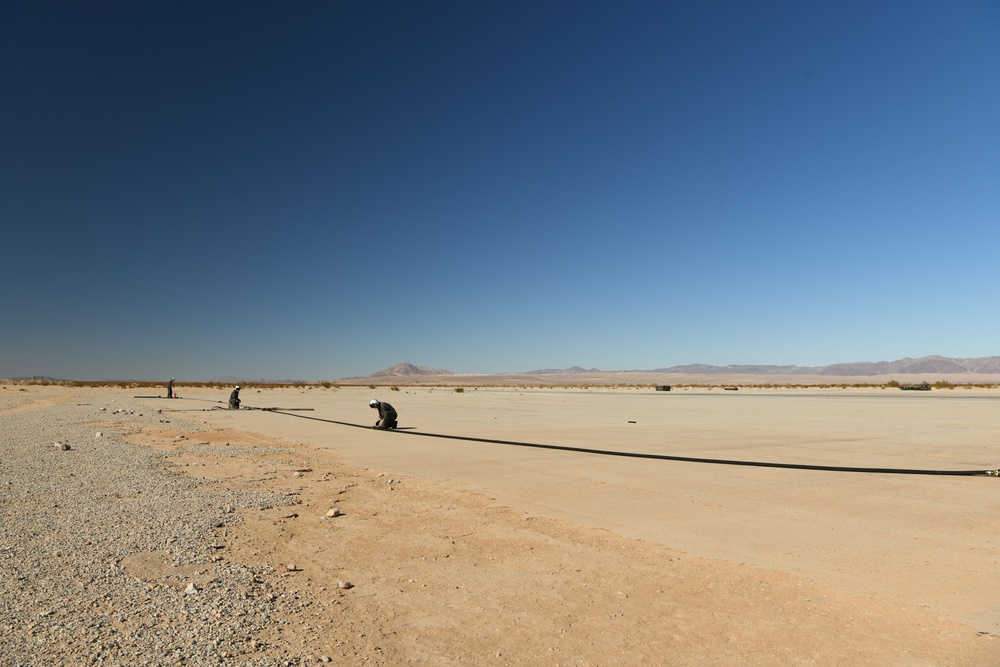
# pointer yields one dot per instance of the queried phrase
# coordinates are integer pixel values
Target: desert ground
(468, 552)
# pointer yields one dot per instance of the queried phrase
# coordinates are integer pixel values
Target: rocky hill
(408, 370)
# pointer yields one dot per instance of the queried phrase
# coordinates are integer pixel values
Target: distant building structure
(923, 386)
(663, 387)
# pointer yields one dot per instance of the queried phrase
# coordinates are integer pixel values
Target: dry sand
(472, 553)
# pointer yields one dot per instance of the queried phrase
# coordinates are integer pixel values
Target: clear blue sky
(316, 190)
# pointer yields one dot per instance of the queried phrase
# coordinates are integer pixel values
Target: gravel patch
(70, 519)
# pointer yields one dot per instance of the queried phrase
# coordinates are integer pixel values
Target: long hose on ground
(639, 455)
(667, 457)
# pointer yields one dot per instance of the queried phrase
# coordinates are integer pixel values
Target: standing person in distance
(386, 415)
(234, 399)
(170, 388)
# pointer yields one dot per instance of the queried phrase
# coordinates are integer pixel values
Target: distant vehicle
(923, 386)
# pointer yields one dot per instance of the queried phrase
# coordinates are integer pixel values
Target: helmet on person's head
(373, 403)
(237, 386)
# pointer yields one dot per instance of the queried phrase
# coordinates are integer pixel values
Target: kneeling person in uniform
(386, 415)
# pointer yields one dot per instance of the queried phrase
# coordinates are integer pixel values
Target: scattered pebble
(68, 594)
(334, 512)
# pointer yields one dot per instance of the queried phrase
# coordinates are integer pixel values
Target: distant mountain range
(232, 379)
(905, 366)
(933, 364)
(565, 371)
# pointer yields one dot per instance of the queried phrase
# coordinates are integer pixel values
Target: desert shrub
(459, 390)
(393, 388)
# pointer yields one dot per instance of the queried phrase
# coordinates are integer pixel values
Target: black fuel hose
(667, 457)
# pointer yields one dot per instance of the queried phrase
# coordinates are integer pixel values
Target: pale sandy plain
(486, 554)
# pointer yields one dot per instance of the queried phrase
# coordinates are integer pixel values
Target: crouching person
(386, 415)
